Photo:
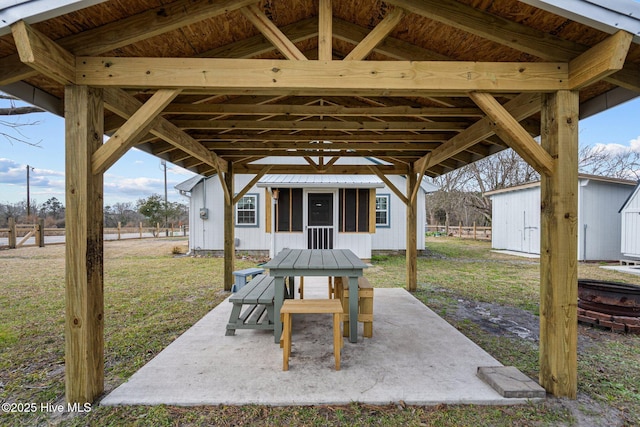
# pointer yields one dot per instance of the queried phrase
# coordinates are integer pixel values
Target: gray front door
(320, 221)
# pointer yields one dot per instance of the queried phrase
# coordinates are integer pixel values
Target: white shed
(516, 217)
(359, 212)
(630, 233)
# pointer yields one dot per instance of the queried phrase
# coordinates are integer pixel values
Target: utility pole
(28, 193)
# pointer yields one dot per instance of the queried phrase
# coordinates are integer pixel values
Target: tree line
(460, 198)
(150, 211)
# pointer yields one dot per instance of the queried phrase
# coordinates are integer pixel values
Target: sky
(138, 175)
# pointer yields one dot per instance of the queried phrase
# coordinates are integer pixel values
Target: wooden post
(119, 226)
(157, 229)
(559, 246)
(412, 243)
(460, 229)
(229, 230)
(12, 233)
(84, 328)
(140, 229)
(40, 233)
(171, 229)
(475, 235)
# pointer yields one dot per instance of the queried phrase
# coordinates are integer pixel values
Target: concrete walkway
(414, 356)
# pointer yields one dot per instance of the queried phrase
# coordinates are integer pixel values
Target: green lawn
(152, 296)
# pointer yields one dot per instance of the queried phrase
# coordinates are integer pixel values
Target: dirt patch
(517, 323)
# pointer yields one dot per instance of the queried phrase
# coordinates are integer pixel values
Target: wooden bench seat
(241, 277)
(310, 306)
(365, 302)
(256, 297)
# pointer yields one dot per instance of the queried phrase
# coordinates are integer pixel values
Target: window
(382, 210)
(289, 210)
(247, 211)
(354, 210)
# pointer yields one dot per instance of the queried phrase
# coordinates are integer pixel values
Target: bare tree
(11, 129)
(617, 163)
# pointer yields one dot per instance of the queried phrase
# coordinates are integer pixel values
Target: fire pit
(609, 304)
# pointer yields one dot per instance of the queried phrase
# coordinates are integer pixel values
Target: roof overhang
(605, 15)
(32, 11)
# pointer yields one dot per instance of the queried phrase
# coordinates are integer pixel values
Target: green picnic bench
(241, 277)
(256, 297)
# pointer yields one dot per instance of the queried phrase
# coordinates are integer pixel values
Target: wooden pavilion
(220, 86)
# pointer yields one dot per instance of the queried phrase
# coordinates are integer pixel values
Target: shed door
(320, 221)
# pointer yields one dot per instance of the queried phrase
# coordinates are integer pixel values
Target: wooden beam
(137, 125)
(325, 30)
(259, 45)
(229, 228)
(228, 193)
(558, 247)
(600, 61)
(333, 170)
(304, 137)
(391, 47)
(123, 32)
(383, 78)
(323, 125)
(509, 33)
(43, 55)
(379, 33)
(520, 108)
(493, 27)
(318, 110)
(84, 312)
(513, 134)
(268, 146)
(251, 183)
(420, 171)
(412, 240)
(126, 105)
(272, 33)
(376, 170)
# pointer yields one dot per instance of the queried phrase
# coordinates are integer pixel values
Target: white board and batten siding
(208, 234)
(516, 220)
(516, 217)
(630, 227)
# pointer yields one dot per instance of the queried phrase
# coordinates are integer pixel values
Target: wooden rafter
(318, 110)
(323, 125)
(382, 30)
(126, 105)
(251, 183)
(382, 175)
(126, 31)
(137, 125)
(40, 53)
(272, 33)
(508, 128)
(520, 108)
(325, 30)
(600, 61)
(506, 32)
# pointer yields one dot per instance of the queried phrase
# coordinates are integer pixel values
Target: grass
(152, 296)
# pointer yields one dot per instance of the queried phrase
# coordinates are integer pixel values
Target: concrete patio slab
(414, 356)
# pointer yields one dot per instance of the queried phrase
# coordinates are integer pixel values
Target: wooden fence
(474, 232)
(18, 235)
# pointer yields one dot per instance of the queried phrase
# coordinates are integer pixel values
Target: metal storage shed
(516, 217)
(630, 230)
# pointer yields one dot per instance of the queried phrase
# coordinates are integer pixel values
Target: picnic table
(316, 262)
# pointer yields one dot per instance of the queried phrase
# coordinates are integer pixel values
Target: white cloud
(612, 148)
(635, 144)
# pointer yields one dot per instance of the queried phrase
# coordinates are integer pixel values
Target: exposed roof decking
(400, 122)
